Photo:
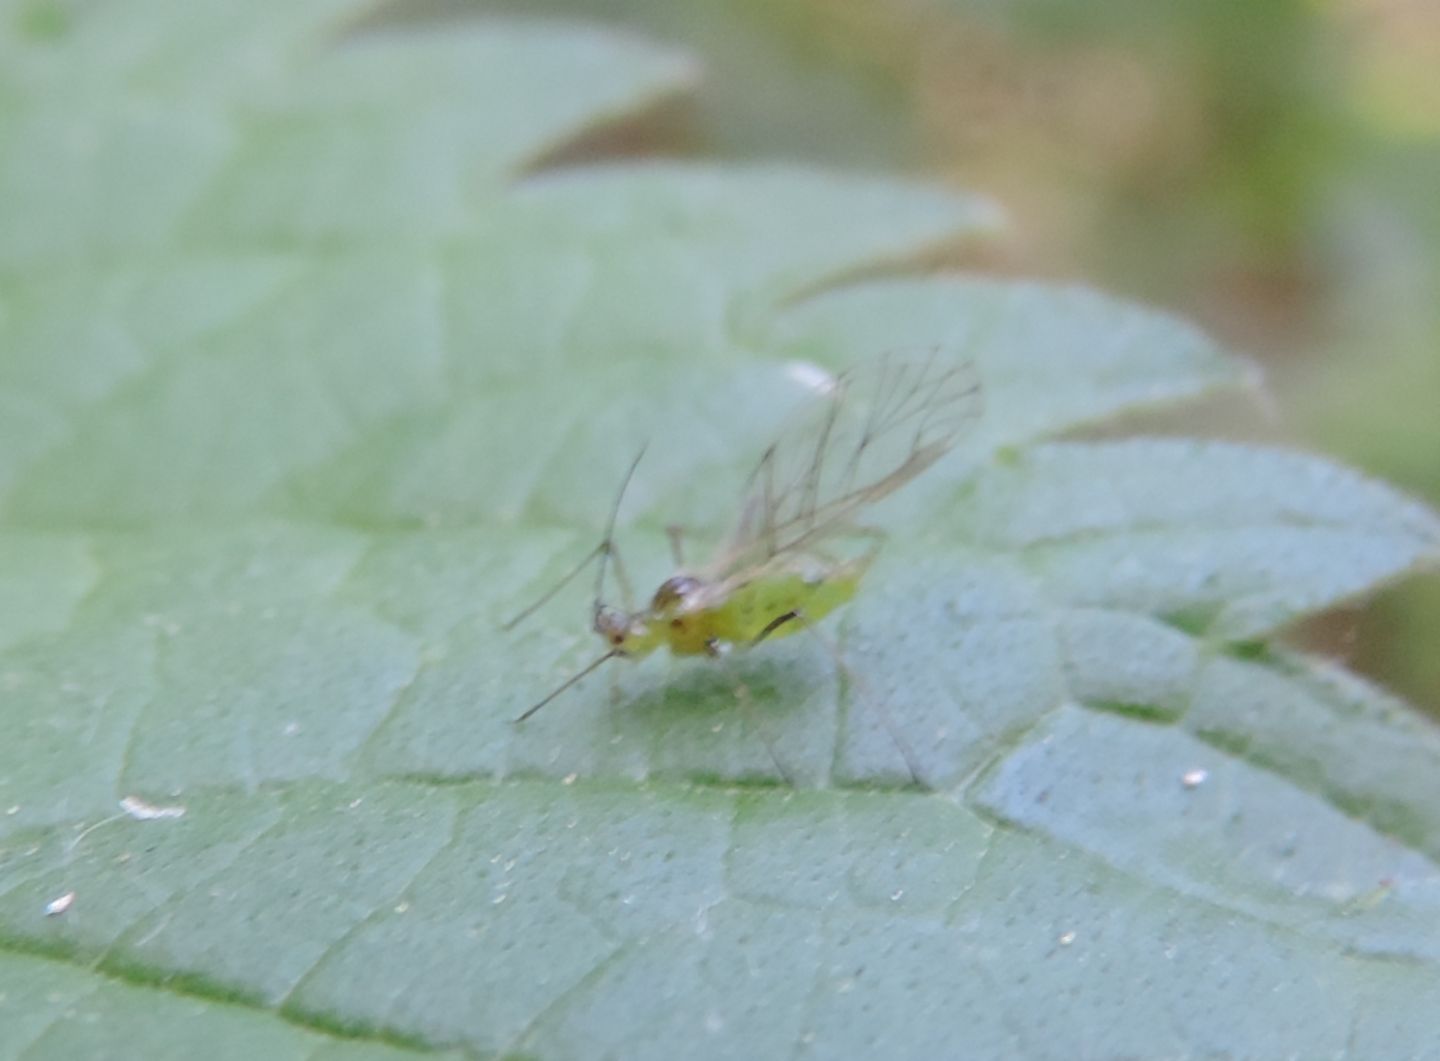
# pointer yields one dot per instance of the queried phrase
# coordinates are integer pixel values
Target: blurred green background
(1270, 168)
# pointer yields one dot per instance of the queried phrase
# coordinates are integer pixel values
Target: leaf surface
(309, 378)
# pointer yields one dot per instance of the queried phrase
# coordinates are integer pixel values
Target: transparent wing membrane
(880, 424)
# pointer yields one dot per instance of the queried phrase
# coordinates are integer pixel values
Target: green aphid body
(693, 617)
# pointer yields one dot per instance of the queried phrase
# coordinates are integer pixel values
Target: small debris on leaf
(141, 811)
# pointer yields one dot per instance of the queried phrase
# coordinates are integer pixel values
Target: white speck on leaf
(57, 906)
(141, 811)
(1194, 778)
(811, 376)
(1067, 939)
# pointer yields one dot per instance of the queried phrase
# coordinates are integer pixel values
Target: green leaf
(54, 1009)
(309, 377)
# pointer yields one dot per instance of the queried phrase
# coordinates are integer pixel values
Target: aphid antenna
(607, 545)
(550, 593)
(603, 550)
(592, 665)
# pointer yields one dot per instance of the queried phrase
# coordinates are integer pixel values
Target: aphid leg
(752, 719)
(773, 625)
(857, 683)
(676, 534)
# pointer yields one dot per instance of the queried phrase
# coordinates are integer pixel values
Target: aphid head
(625, 634)
(674, 590)
(613, 625)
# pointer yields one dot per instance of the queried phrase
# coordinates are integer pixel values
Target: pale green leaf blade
(1229, 540)
(1051, 356)
(308, 380)
(395, 135)
(628, 260)
(685, 900)
(53, 1010)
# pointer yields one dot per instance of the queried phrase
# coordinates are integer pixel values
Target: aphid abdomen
(826, 596)
(749, 612)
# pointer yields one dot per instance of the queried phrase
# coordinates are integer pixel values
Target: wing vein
(883, 422)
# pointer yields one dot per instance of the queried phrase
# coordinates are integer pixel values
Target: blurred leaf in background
(1374, 391)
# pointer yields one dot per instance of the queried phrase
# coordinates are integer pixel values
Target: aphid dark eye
(677, 624)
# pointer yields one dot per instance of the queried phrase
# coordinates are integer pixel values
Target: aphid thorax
(672, 619)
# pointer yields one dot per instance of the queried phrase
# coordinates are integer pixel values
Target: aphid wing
(881, 423)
